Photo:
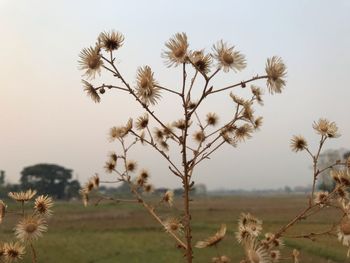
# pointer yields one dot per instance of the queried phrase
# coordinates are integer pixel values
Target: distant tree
(108, 190)
(3, 192)
(178, 191)
(346, 155)
(9, 188)
(72, 189)
(287, 189)
(49, 179)
(2, 178)
(329, 157)
(123, 189)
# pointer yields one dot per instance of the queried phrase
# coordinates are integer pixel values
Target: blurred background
(46, 117)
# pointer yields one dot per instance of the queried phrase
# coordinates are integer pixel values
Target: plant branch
(315, 160)
(313, 234)
(239, 84)
(118, 75)
(116, 200)
(300, 216)
(34, 257)
(206, 156)
(188, 97)
(158, 150)
(186, 177)
(169, 90)
(112, 87)
(145, 205)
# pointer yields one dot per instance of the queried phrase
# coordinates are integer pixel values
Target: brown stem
(188, 97)
(315, 160)
(34, 258)
(145, 205)
(191, 163)
(169, 90)
(156, 217)
(110, 70)
(150, 135)
(312, 235)
(239, 84)
(116, 200)
(132, 144)
(199, 122)
(206, 155)
(188, 229)
(186, 176)
(291, 223)
(131, 91)
(111, 87)
(302, 215)
(151, 143)
(331, 166)
(198, 70)
(236, 117)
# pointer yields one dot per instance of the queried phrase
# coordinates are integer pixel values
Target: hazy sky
(46, 117)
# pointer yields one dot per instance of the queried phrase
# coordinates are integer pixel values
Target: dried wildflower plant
(30, 227)
(267, 248)
(196, 137)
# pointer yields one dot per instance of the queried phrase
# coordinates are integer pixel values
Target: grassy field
(126, 233)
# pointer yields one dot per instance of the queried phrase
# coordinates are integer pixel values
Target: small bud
(192, 105)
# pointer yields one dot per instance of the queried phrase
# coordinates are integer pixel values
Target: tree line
(57, 181)
(48, 179)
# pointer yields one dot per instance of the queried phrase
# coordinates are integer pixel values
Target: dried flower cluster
(197, 135)
(30, 227)
(267, 248)
(258, 249)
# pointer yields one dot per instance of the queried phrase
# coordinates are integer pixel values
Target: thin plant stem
(169, 90)
(331, 167)
(186, 177)
(116, 200)
(151, 143)
(110, 87)
(34, 257)
(206, 156)
(144, 204)
(131, 91)
(188, 97)
(315, 160)
(242, 83)
(300, 216)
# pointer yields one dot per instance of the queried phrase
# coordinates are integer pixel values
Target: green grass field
(126, 233)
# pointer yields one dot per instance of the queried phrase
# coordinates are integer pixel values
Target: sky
(46, 117)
